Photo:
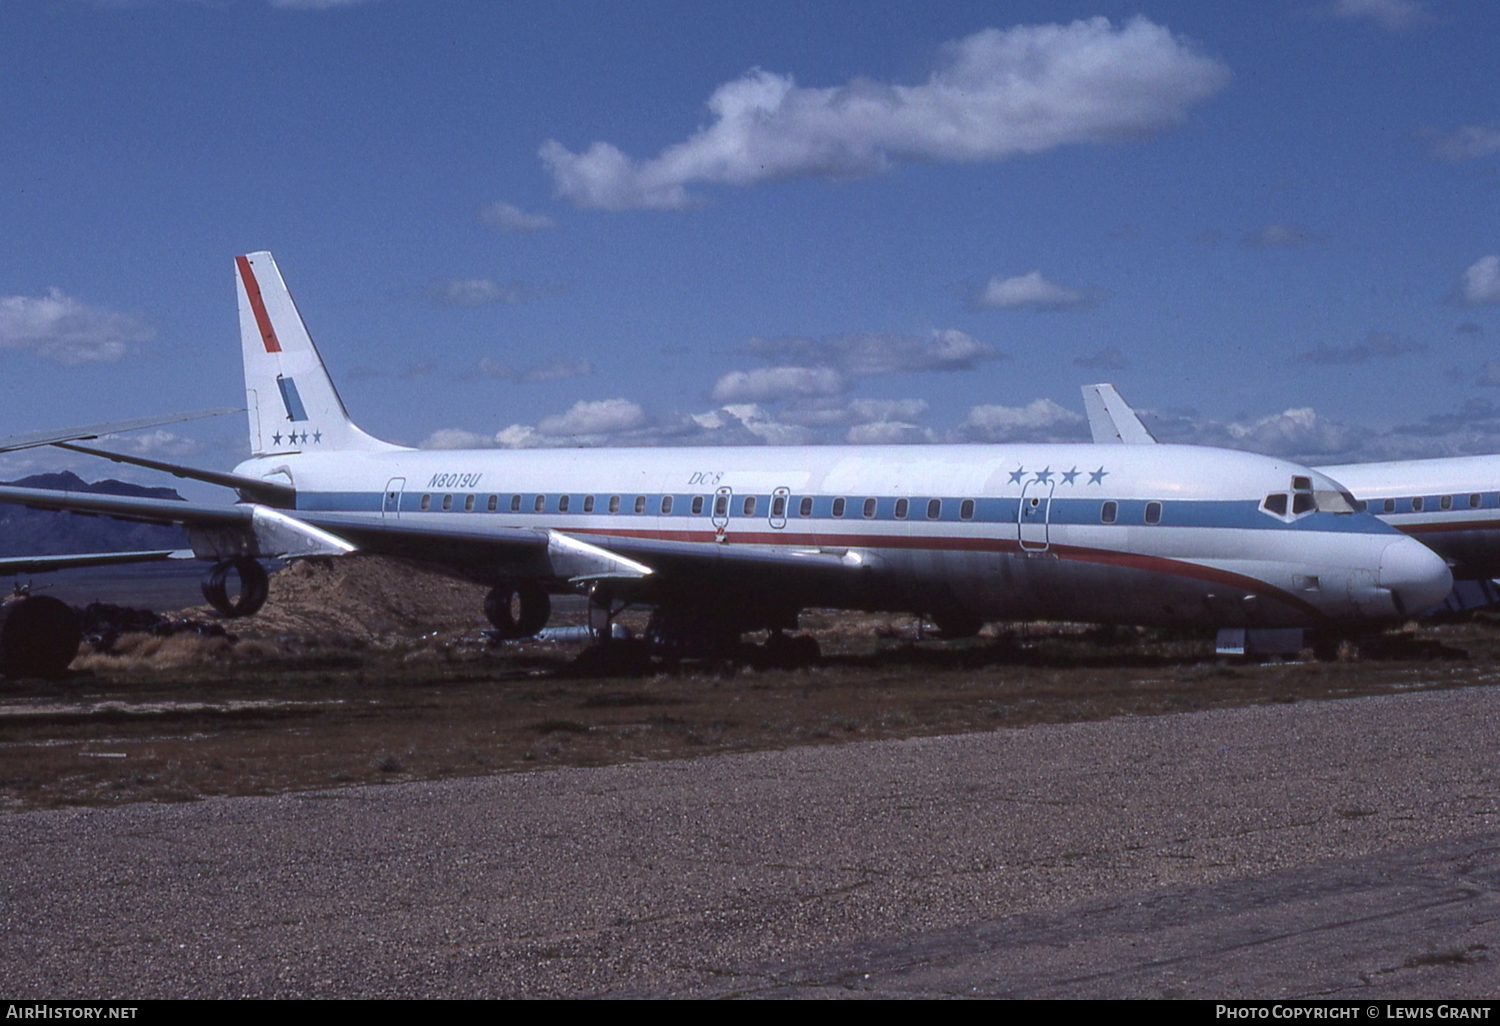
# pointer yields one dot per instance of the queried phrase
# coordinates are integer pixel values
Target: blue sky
(1271, 225)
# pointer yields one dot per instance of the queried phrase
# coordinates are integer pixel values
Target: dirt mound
(365, 598)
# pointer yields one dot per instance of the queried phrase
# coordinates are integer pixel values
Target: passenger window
(493, 504)
(1416, 504)
(1108, 512)
(748, 506)
(1446, 502)
(468, 503)
(804, 508)
(1389, 505)
(447, 503)
(1474, 501)
(966, 510)
(562, 503)
(666, 504)
(515, 504)
(934, 508)
(697, 504)
(1303, 503)
(778, 506)
(640, 504)
(1153, 512)
(902, 505)
(426, 502)
(1275, 504)
(588, 504)
(540, 503)
(838, 507)
(721, 505)
(614, 504)
(869, 510)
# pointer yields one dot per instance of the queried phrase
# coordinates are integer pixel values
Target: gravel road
(1345, 848)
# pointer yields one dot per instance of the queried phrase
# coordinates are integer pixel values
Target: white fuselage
(1452, 505)
(1132, 534)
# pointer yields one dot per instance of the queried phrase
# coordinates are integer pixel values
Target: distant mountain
(34, 532)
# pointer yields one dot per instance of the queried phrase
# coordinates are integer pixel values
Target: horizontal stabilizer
(42, 564)
(37, 438)
(1111, 420)
(252, 489)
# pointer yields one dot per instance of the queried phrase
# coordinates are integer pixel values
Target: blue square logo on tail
(290, 399)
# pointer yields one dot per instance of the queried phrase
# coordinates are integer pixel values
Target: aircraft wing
(42, 564)
(252, 489)
(38, 438)
(468, 545)
(1111, 420)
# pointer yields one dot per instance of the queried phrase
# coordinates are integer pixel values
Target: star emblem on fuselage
(1069, 475)
(1044, 476)
(1017, 474)
(276, 438)
(1097, 476)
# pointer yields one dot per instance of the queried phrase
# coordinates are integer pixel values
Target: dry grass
(181, 718)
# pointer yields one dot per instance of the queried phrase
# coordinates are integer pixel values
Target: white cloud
(1041, 420)
(1391, 15)
(604, 417)
(508, 218)
(997, 94)
(1107, 359)
(860, 355)
(1480, 282)
(750, 422)
(59, 327)
(1376, 344)
(1030, 291)
(887, 432)
(317, 5)
(1465, 142)
(456, 438)
(1279, 235)
(772, 383)
(554, 369)
(1302, 431)
(485, 291)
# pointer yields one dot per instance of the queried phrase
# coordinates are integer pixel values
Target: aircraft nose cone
(1415, 575)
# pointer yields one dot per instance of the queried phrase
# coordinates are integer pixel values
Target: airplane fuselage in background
(1452, 505)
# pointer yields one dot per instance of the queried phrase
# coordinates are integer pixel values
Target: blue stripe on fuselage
(1237, 514)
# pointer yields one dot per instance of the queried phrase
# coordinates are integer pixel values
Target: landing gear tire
(39, 636)
(781, 652)
(959, 625)
(518, 611)
(254, 587)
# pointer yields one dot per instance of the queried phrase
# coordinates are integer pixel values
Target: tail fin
(1111, 419)
(292, 404)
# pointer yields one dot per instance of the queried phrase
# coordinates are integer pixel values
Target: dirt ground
(363, 672)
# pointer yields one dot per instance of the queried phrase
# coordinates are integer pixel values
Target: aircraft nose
(1416, 576)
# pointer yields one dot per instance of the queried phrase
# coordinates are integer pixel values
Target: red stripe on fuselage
(252, 291)
(1134, 561)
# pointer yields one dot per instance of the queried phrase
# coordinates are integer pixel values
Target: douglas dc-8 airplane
(721, 541)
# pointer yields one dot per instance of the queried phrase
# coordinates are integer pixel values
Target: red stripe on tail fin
(262, 320)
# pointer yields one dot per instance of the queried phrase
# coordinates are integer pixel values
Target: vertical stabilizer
(291, 401)
(1111, 419)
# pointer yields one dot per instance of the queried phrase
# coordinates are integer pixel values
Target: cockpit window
(1303, 503)
(1275, 503)
(1301, 484)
